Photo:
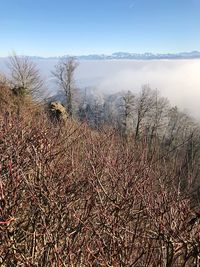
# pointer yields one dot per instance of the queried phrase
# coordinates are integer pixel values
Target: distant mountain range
(127, 56)
(145, 56)
(134, 56)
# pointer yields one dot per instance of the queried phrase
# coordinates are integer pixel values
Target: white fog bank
(178, 80)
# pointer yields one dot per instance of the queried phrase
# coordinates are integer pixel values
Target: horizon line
(106, 54)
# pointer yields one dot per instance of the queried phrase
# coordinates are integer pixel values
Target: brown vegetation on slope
(70, 196)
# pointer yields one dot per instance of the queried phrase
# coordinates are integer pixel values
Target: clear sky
(60, 27)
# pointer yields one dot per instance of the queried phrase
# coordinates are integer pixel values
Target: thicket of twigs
(70, 196)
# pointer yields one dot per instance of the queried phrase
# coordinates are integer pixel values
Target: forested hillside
(111, 182)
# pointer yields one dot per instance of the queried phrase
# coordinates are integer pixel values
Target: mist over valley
(178, 80)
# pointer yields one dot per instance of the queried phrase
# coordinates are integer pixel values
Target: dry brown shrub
(71, 196)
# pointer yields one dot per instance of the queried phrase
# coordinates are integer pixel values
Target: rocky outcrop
(58, 111)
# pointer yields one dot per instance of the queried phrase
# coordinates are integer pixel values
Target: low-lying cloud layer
(178, 80)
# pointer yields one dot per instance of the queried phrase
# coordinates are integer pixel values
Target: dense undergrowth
(72, 196)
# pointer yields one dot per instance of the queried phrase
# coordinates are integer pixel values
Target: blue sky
(60, 27)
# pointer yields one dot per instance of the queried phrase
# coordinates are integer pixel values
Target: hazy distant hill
(135, 56)
(127, 55)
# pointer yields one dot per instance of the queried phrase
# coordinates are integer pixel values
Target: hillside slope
(72, 196)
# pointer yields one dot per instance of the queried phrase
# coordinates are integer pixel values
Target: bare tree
(64, 74)
(158, 117)
(128, 105)
(145, 102)
(24, 76)
(180, 127)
